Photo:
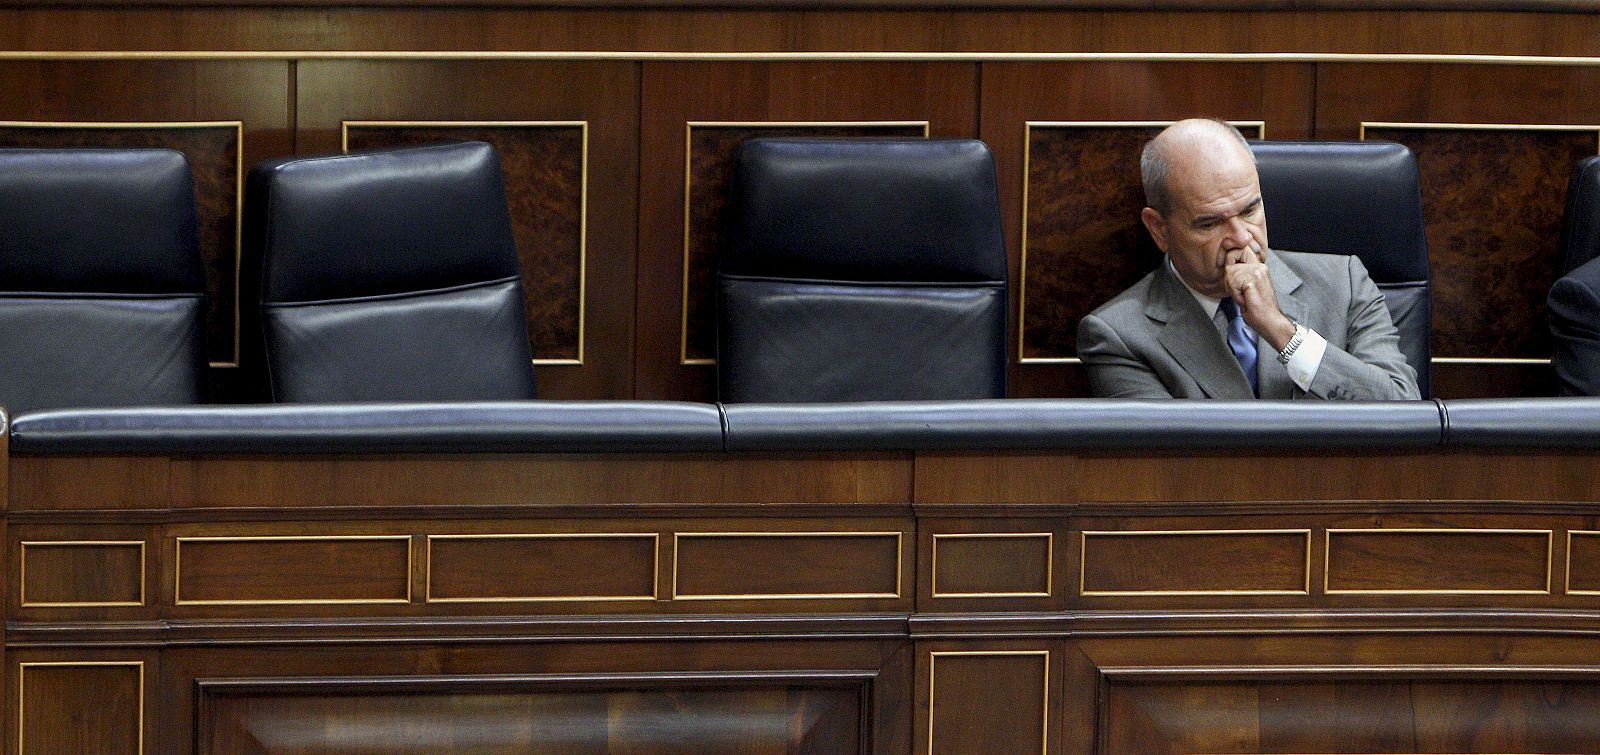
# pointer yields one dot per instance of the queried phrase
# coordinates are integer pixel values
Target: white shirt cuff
(1303, 363)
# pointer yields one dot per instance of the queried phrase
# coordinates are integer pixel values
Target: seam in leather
(395, 296)
(1444, 422)
(863, 284)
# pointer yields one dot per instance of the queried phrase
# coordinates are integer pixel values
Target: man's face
(1216, 209)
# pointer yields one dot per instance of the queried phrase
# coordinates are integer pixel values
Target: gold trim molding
(22, 574)
(583, 198)
(1327, 556)
(1049, 564)
(1566, 586)
(22, 676)
(688, 193)
(899, 567)
(1044, 735)
(1083, 559)
(238, 189)
(177, 571)
(655, 578)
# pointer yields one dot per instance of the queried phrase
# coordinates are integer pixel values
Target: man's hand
(1245, 271)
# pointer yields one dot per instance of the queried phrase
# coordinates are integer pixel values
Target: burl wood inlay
(1084, 243)
(711, 151)
(213, 152)
(1492, 201)
(544, 174)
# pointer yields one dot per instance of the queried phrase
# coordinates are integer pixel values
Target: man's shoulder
(1131, 301)
(1317, 265)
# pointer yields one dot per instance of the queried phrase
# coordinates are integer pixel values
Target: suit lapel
(1192, 339)
(1273, 376)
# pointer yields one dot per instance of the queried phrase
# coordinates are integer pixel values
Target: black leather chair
(862, 269)
(389, 276)
(101, 289)
(1574, 301)
(1361, 198)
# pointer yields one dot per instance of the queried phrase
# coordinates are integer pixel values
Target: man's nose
(1238, 233)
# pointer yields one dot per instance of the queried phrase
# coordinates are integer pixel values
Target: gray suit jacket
(1154, 341)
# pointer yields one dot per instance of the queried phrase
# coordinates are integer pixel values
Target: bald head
(1189, 151)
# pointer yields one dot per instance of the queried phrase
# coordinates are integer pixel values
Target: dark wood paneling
(866, 564)
(1583, 561)
(81, 572)
(1196, 562)
(986, 701)
(1080, 183)
(1438, 561)
(666, 713)
(676, 94)
(541, 567)
(544, 183)
(711, 150)
(993, 563)
(82, 706)
(257, 570)
(544, 167)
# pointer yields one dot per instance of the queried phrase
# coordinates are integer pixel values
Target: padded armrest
(499, 427)
(1089, 424)
(1523, 423)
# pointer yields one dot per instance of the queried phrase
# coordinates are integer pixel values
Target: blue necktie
(1242, 340)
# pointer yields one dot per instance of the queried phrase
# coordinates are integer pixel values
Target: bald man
(1225, 316)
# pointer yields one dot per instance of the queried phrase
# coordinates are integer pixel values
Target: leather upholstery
(1574, 305)
(1091, 424)
(389, 276)
(862, 269)
(1361, 198)
(375, 428)
(1580, 225)
(1523, 423)
(101, 288)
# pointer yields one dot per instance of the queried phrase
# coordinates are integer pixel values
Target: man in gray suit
(1225, 317)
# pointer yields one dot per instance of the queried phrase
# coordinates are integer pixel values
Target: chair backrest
(1361, 198)
(389, 276)
(862, 269)
(1574, 302)
(101, 289)
(1580, 224)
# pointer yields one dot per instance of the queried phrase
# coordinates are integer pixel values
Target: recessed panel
(288, 570)
(1442, 561)
(82, 573)
(783, 565)
(541, 567)
(1583, 562)
(1200, 562)
(992, 565)
(546, 175)
(80, 707)
(988, 702)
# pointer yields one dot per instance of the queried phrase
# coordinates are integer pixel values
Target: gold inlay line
(1044, 735)
(177, 570)
(1327, 556)
(1022, 264)
(1083, 560)
(583, 198)
(688, 191)
(22, 573)
(238, 188)
(22, 669)
(1049, 567)
(655, 561)
(1567, 582)
(899, 566)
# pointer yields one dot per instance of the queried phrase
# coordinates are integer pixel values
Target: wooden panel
(89, 706)
(1176, 562)
(678, 94)
(1583, 562)
(545, 164)
(1361, 715)
(663, 713)
(271, 570)
(988, 701)
(567, 249)
(787, 565)
(1066, 138)
(81, 573)
(999, 564)
(706, 184)
(542, 567)
(1438, 561)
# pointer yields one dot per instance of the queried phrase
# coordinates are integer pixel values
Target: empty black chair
(389, 276)
(1574, 301)
(101, 289)
(1361, 198)
(862, 269)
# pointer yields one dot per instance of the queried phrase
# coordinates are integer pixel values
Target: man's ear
(1157, 226)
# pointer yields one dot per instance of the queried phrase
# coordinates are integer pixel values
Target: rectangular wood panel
(80, 707)
(1583, 562)
(81, 573)
(274, 570)
(541, 567)
(787, 565)
(988, 701)
(1000, 564)
(1438, 561)
(1196, 562)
